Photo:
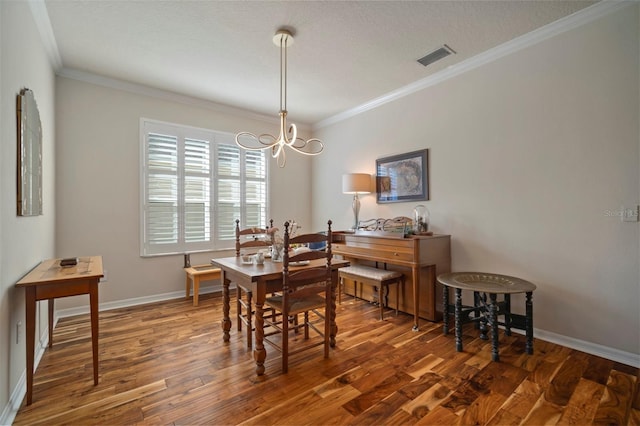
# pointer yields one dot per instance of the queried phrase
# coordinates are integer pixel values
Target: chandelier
(288, 135)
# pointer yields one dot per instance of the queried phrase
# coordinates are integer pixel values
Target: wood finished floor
(165, 363)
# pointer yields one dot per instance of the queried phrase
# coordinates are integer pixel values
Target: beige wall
(24, 241)
(98, 161)
(527, 156)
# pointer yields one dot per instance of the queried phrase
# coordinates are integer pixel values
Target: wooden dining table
(262, 280)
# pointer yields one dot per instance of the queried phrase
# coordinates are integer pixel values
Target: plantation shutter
(255, 188)
(195, 183)
(197, 190)
(162, 190)
(228, 190)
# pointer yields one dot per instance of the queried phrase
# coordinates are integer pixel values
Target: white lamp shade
(356, 183)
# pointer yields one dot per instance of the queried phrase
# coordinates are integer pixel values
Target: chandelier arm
(315, 146)
(258, 139)
(267, 140)
(293, 131)
(280, 155)
(276, 150)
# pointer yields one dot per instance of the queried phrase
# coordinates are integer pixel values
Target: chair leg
(306, 325)
(400, 283)
(285, 342)
(380, 304)
(327, 332)
(238, 308)
(249, 320)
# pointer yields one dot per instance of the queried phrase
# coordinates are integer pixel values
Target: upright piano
(420, 258)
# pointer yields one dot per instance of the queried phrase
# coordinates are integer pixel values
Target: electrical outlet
(18, 331)
(630, 214)
(104, 278)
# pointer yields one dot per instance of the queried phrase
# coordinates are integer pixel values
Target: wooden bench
(373, 277)
(199, 273)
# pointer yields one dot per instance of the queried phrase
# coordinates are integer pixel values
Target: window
(195, 183)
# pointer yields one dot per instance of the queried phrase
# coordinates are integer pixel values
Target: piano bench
(374, 277)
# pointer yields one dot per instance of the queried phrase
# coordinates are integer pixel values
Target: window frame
(216, 138)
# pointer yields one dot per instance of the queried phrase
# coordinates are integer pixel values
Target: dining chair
(248, 239)
(304, 290)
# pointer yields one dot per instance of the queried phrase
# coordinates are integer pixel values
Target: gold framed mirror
(29, 170)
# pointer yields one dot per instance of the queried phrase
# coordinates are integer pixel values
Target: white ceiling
(346, 53)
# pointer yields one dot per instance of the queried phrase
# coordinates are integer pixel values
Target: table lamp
(356, 183)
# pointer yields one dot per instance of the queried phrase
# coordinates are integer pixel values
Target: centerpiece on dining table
(277, 242)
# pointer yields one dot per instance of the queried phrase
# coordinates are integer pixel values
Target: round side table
(487, 311)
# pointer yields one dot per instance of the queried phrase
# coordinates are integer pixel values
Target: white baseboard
(63, 313)
(11, 409)
(16, 397)
(612, 354)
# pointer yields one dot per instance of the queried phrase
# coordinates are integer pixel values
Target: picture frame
(29, 155)
(404, 177)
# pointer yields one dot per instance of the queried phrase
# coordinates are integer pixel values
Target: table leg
(458, 319)
(259, 353)
(415, 275)
(493, 320)
(445, 309)
(30, 299)
(477, 304)
(226, 321)
(51, 306)
(529, 322)
(93, 302)
(507, 314)
(196, 289)
(482, 312)
(187, 286)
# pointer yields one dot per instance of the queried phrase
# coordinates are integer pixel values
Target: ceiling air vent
(436, 55)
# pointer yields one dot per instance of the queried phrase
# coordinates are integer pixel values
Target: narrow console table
(486, 311)
(419, 258)
(48, 281)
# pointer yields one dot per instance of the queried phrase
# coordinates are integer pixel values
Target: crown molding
(582, 17)
(41, 18)
(153, 92)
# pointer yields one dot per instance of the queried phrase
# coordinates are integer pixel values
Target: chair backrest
(252, 237)
(306, 280)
